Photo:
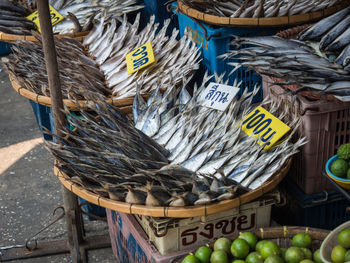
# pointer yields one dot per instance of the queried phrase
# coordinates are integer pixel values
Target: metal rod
(73, 216)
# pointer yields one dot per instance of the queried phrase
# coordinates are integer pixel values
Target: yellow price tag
(55, 18)
(263, 124)
(140, 58)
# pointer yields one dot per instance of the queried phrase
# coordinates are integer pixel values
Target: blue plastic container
(5, 48)
(43, 117)
(92, 209)
(324, 210)
(215, 41)
(158, 8)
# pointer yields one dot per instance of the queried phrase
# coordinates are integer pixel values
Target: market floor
(29, 191)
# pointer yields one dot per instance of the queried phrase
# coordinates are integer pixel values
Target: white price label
(218, 96)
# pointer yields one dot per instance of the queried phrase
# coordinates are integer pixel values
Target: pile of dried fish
(79, 15)
(109, 46)
(258, 8)
(211, 142)
(333, 34)
(13, 18)
(78, 72)
(295, 62)
(106, 154)
(85, 11)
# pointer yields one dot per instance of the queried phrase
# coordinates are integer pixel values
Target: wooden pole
(73, 216)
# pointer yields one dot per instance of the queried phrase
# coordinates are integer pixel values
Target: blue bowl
(343, 182)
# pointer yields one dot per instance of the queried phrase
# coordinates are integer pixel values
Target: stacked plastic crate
(311, 198)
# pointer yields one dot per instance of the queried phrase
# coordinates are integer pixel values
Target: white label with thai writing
(218, 96)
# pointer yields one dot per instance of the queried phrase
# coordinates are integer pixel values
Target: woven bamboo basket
(188, 211)
(10, 38)
(123, 104)
(283, 235)
(260, 22)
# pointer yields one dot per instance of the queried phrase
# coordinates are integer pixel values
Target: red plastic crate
(130, 243)
(325, 124)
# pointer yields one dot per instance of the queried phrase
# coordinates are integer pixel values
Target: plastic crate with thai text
(130, 243)
(175, 234)
(326, 126)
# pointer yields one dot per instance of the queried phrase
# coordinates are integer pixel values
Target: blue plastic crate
(43, 117)
(5, 48)
(324, 210)
(92, 209)
(158, 8)
(215, 41)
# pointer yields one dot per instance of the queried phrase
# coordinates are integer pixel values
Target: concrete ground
(29, 190)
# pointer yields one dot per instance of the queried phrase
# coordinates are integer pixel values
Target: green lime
(250, 238)
(268, 249)
(344, 151)
(259, 245)
(203, 254)
(302, 240)
(240, 248)
(273, 259)
(219, 256)
(338, 254)
(339, 168)
(190, 259)
(222, 243)
(294, 255)
(307, 253)
(344, 238)
(347, 256)
(306, 261)
(317, 256)
(238, 261)
(254, 257)
(283, 252)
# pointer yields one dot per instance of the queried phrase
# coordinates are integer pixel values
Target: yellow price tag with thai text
(140, 58)
(261, 123)
(55, 18)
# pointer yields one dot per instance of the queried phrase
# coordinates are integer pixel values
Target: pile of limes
(341, 252)
(247, 249)
(340, 167)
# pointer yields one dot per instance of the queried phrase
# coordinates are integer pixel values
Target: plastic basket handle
(205, 31)
(170, 8)
(321, 199)
(291, 102)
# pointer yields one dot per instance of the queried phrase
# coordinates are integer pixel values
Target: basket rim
(70, 104)
(260, 22)
(185, 212)
(290, 231)
(12, 38)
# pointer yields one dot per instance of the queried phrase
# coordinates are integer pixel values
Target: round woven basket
(123, 104)
(260, 22)
(10, 38)
(188, 211)
(283, 235)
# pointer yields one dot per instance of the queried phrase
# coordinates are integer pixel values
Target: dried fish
(258, 8)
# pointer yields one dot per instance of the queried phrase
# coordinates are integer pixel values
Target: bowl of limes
(281, 245)
(338, 167)
(336, 246)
